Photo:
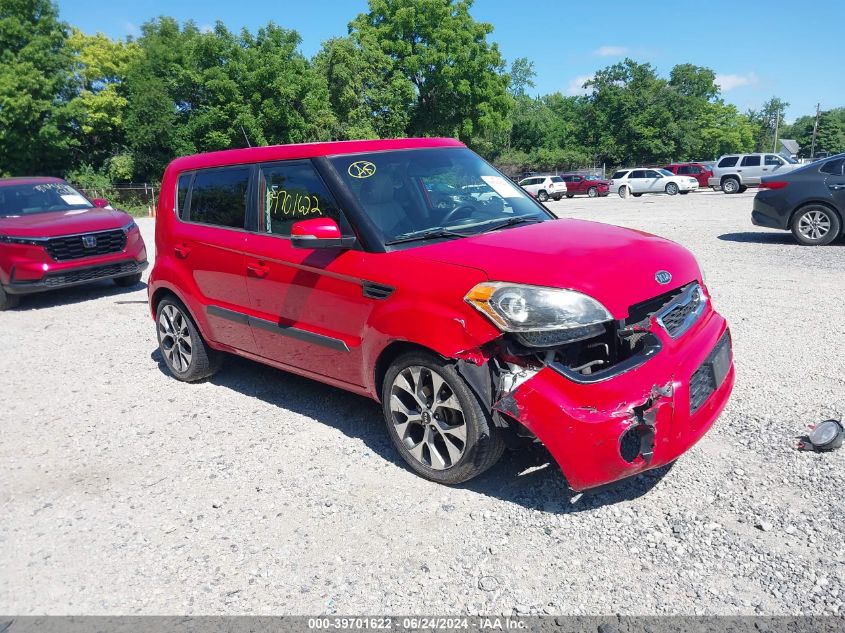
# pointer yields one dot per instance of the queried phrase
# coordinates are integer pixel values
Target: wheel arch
(736, 177)
(822, 203)
(389, 354)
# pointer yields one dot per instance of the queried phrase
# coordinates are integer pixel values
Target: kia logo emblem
(663, 277)
(89, 241)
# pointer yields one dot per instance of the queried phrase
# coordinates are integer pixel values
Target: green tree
(366, 101)
(768, 120)
(95, 114)
(521, 76)
(456, 77)
(35, 68)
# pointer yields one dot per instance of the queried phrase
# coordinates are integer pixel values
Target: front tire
(7, 301)
(815, 225)
(672, 189)
(543, 196)
(435, 420)
(592, 192)
(128, 282)
(182, 347)
(730, 185)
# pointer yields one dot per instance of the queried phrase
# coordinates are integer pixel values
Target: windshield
(17, 200)
(409, 192)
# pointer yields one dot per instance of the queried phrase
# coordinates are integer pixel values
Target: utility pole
(777, 124)
(815, 127)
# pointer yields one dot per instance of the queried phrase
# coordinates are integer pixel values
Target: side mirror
(100, 203)
(318, 233)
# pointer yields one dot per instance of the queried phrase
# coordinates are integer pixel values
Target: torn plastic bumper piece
(641, 419)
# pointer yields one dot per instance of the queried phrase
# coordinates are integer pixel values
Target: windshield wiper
(520, 219)
(425, 235)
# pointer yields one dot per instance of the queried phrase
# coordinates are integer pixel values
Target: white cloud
(610, 51)
(575, 86)
(728, 82)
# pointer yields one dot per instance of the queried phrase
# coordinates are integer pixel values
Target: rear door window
(728, 161)
(751, 161)
(833, 167)
(638, 173)
(219, 197)
(290, 192)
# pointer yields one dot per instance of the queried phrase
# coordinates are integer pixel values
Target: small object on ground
(827, 435)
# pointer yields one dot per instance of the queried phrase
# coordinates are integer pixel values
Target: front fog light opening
(556, 338)
(637, 441)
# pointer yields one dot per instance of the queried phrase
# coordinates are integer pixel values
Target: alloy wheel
(592, 192)
(814, 224)
(427, 417)
(175, 338)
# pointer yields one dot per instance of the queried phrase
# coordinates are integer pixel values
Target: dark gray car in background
(809, 201)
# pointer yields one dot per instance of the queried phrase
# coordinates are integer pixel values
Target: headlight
(27, 241)
(522, 308)
(130, 226)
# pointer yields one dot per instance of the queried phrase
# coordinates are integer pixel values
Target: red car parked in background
(471, 320)
(699, 171)
(52, 236)
(579, 184)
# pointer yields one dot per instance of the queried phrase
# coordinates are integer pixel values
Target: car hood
(614, 265)
(54, 223)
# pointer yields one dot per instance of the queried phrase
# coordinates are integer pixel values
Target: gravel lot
(125, 491)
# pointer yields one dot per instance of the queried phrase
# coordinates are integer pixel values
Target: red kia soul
(52, 236)
(472, 317)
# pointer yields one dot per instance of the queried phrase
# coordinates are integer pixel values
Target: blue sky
(758, 49)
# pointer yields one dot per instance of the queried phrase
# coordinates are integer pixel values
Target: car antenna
(248, 144)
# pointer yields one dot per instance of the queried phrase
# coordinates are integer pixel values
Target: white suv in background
(734, 173)
(544, 187)
(642, 180)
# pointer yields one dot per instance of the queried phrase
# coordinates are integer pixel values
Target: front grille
(90, 274)
(73, 247)
(674, 319)
(645, 309)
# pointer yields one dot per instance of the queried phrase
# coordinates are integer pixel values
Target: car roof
(28, 180)
(269, 153)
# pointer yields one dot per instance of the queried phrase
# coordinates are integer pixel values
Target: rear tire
(542, 196)
(730, 185)
(7, 301)
(435, 420)
(127, 282)
(182, 347)
(636, 195)
(570, 195)
(623, 191)
(815, 225)
(672, 189)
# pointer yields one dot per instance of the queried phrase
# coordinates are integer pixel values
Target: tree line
(103, 110)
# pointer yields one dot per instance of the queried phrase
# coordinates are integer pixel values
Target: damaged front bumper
(644, 417)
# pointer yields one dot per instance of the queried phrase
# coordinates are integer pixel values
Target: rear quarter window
(728, 161)
(619, 174)
(182, 186)
(557, 179)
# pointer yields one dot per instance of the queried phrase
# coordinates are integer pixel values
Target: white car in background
(640, 180)
(544, 187)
